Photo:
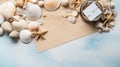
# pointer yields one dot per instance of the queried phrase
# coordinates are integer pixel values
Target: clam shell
(14, 34)
(1, 19)
(19, 25)
(32, 11)
(6, 27)
(52, 4)
(25, 36)
(7, 9)
(1, 31)
(33, 26)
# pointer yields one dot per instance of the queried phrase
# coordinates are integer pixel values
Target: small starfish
(39, 34)
(108, 18)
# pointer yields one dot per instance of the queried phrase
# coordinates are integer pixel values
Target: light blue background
(95, 50)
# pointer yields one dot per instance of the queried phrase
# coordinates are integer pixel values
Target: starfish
(108, 18)
(39, 34)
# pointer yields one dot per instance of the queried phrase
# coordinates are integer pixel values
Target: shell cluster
(21, 18)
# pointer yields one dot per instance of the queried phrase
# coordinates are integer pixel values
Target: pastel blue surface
(95, 50)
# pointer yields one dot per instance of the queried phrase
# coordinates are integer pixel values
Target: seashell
(74, 13)
(71, 19)
(32, 11)
(64, 2)
(25, 36)
(71, 4)
(1, 31)
(14, 34)
(33, 26)
(112, 6)
(99, 25)
(52, 4)
(7, 9)
(1, 19)
(19, 25)
(19, 2)
(20, 11)
(6, 27)
(16, 18)
(33, 1)
(41, 3)
(106, 29)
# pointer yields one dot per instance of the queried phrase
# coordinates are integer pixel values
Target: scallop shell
(19, 25)
(33, 26)
(1, 31)
(1, 19)
(14, 34)
(52, 4)
(32, 11)
(7, 9)
(6, 26)
(25, 36)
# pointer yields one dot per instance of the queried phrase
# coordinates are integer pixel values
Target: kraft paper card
(60, 31)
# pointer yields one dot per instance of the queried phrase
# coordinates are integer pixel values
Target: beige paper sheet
(60, 31)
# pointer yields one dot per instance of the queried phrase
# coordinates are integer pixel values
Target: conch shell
(52, 4)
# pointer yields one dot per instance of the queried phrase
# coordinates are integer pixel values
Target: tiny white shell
(106, 29)
(1, 19)
(52, 4)
(7, 9)
(32, 11)
(25, 36)
(14, 34)
(1, 31)
(33, 26)
(16, 18)
(71, 19)
(74, 13)
(6, 26)
(64, 2)
(99, 25)
(41, 3)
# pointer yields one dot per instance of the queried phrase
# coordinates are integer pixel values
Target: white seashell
(74, 13)
(112, 6)
(106, 29)
(33, 1)
(71, 19)
(19, 2)
(52, 4)
(1, 19)
(19, 25)
(33, 26)
(41, 3)
(20, 11)
(64, 2)
(6, 27)
(7, 9)
(33, 11)
(14, 34)
(26, 36)
(1, 31)
(99, 25)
